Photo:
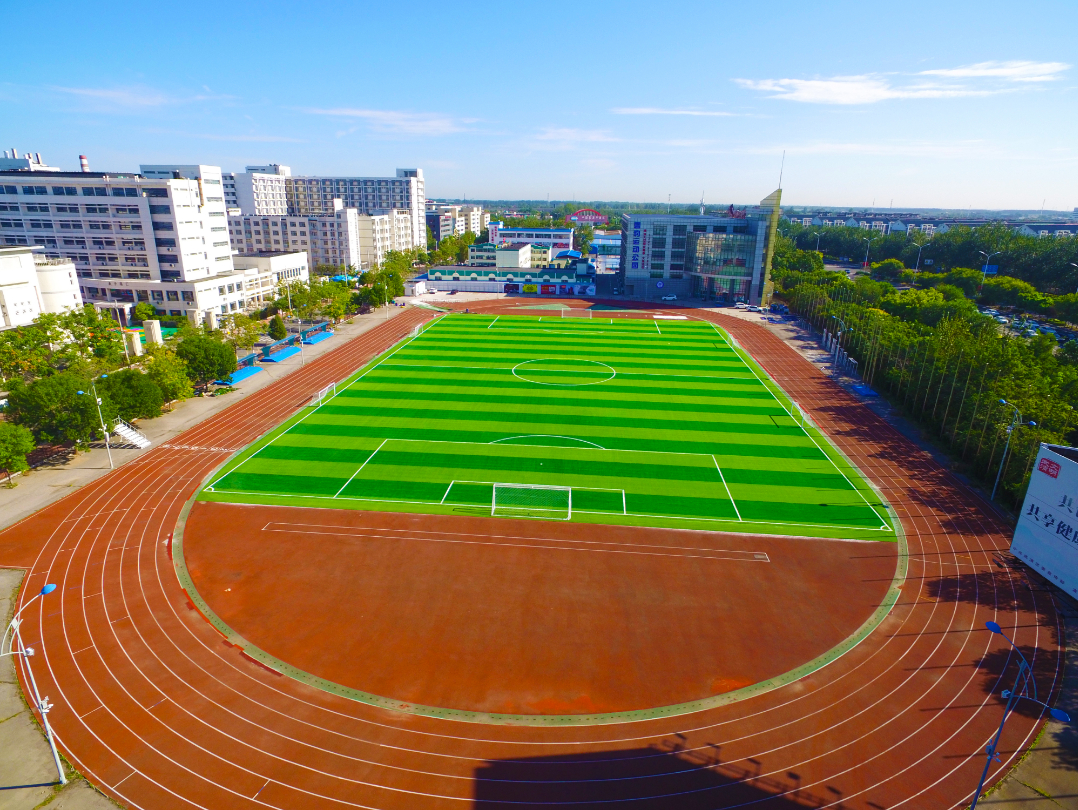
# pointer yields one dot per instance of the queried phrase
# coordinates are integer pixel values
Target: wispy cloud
(569, 135)
(135, 96)
(989, 78)
(661, 111)
(408, 123)
(1015, 71)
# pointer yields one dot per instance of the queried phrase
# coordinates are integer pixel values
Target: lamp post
(868, 247)
(817, 242)
(917, 266)
(838, 342)
(1023, 679)
(987, 258)
(104, 430)
(1016, 421)
(11, 644)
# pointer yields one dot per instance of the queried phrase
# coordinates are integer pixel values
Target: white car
(670, 298)
(741, 305)
(754, 308)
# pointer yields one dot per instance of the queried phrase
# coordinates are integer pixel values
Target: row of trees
(948, 367)
(1048, 264)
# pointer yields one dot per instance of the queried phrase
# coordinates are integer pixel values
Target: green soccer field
(626, 421)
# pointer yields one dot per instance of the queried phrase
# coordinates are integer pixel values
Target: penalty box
(542, 478)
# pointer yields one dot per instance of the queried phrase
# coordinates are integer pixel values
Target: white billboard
(1046, 537)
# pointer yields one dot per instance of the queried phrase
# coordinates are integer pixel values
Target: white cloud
(136, 96)
(867, 89)
(660, 111)
(408, 123)
(1016, 71)
(988, 78)
(568, 135)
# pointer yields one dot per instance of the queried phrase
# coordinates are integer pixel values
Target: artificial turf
(649, 422)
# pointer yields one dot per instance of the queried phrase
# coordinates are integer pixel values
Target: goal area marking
(532, 500)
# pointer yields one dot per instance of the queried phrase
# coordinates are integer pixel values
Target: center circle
(561, 371)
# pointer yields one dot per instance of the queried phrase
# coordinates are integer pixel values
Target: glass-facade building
(723, 257)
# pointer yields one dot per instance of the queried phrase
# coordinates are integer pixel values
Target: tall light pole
(11, 644)
(917, 266)
(868, 247)
(1016, 421)
(104, 430)
(817, 242)
(987, 258)
(1024, 678)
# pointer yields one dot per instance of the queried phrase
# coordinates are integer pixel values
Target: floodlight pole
(104, 430)
(1024, 678)
(13, 639)
(1016, 421)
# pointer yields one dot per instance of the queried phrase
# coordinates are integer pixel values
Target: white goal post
(532, 500)
(576, 313)
(328, 392)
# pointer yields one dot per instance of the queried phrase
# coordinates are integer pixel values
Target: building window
(655, 274)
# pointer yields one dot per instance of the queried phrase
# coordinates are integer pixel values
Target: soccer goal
(415, 332)
(576, 313)
(326, 393)
(532, 501)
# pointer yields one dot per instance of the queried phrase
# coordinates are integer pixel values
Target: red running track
(158, 711)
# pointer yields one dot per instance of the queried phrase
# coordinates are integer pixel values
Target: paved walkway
(46, 484)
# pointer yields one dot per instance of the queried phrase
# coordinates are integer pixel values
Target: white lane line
(364, 464)
(94, 709)
(728, 493)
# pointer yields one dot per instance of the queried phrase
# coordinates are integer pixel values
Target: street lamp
(817, 242)
(12, 643)
(1012, 696)
(104, 430)
(868, 247)
(917, 266)
(987, 258)
(1016, 421)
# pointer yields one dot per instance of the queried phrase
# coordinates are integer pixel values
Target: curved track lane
(159, 711)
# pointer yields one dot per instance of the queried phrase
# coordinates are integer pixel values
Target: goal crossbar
(328, 392)
(532, 500)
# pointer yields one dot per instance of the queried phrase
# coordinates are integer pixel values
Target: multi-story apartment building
(33, 284)
(909, 223)
(159, 236)
(465, 218)
(307, 196)
(344, 237)
(557, 239)
(724, 257)
(605, 251)
(440, 224)
(259, 191)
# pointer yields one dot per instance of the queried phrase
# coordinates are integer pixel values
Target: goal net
(532, 501)
(326, 393)
(576, 313)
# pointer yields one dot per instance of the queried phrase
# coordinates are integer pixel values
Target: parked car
(670, 298)
(741, 305)
(754, 308)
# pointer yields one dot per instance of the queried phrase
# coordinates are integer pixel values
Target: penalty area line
(364, 464)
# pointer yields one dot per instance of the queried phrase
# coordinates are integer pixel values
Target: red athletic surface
(155, 709)
(526, 617)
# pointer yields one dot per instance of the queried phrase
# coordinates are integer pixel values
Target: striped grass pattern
(648, 423)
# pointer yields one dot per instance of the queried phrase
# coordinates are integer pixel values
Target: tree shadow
(667, 775)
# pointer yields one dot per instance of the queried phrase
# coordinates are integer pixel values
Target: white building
(465, 218)
(259, 191)
(32, 284)
(557, 239)
(308, 196)
(29, 162)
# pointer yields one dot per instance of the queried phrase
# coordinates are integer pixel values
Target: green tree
(207, 359)
(583, 237)
(16, 443)
(169, 373)
(134, 394)
(277, 329)
(55, 411)
(240, 330)
(143, 311)
(887, 270)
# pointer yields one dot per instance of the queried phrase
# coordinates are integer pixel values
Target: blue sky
(950, 104)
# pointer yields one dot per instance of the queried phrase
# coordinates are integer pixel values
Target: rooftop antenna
(782, 166)
(701, 203)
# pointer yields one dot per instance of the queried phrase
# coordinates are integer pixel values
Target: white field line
(494, 321)
(657, 329)
(631, 514)
(361, 466)
(838, 469)
(336, 393)
(728, 493)
(569, 371)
